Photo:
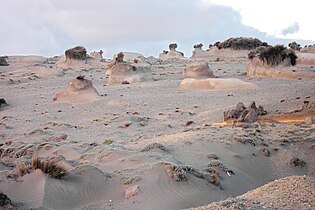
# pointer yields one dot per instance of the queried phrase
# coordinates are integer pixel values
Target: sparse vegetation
(49, 167)
(274, 56)
(240, 43)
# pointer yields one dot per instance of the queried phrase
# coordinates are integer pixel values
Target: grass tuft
(49, 167)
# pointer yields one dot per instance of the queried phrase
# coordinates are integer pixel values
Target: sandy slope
(294, 192)
(111, 134)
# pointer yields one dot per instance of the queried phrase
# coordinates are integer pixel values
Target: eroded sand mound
(125, 72)
(215, 84)
(257, 69)
(306, 58)
(198, 70)
(308, 49)
(79, 90)
(216, 55)
(294, 192)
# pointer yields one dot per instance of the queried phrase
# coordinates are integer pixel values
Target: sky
(49, 27)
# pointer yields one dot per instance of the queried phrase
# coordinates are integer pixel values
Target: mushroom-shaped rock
(4, 61)
(172, 53)
(121, 72)
(198, 70)
(215, 84)
(79, 90)
(77, 53)
(172, 47)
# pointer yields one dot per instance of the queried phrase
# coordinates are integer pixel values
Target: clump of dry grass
(274, 56)
(49, 167)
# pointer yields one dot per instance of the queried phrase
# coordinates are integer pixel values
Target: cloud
(293, 28)
(52, 26)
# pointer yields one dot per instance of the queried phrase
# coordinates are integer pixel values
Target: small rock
(265, 152)
(132, 191)
(188, 123)
(297, 162)
(212, 156)
(3, 102)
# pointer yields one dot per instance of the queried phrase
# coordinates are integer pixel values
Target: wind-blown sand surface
(148, 145)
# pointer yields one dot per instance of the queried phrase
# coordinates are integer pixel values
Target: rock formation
(79, 90)
(294, 46)
(122, 72)
(243, 114)
(173, 53)
(4, 61)
(77, 53)
(198, 51)
(198, 70)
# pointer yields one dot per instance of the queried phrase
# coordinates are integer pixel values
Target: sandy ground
(148, 145)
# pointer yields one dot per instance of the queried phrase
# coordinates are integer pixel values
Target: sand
(149, 145)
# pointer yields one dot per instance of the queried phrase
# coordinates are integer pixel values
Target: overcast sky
(49, 27)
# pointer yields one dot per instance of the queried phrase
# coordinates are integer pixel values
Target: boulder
(4, 61)
(132, 191)
(76, 53)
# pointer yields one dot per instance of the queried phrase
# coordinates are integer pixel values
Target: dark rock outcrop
(3, 102)
(243, 114)
(77, 53)
(4, 61)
